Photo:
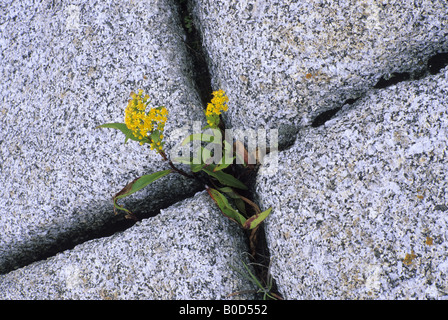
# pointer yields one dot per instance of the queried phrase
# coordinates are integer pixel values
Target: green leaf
(143, 181)
(240, 204)
(225, 179)
(195, 163)
(255, 220)
(196, 167)
(136, 185)
(226, 190)
(155, 136)
(225, 207)
(123, 128)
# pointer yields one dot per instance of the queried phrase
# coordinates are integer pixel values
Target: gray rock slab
(65, 69)
(185, 252)
(360, 207)
(283, 62)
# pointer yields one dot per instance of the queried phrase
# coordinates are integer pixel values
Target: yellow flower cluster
(215, 107)
(146, 126)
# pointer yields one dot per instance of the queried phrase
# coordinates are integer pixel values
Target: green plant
(188, 22)
(146, 125)
(265, 287)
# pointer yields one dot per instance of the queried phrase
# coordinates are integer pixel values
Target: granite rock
(360, 207)
(284, 62)
(359, 203)
(188, 251)
(65, 69)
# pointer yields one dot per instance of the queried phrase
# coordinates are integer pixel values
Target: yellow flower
(215, 107)
(144, 123)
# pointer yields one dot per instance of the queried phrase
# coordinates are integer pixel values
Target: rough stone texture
(283, 62)
(66, 69)
(354, 197)
(185, 252)
(354, 200)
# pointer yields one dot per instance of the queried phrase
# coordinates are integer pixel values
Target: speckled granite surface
(186, 252)
(65, 70)
(284, 62)
(355, 200)
(360, 207)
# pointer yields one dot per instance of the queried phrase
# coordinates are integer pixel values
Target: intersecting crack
(68, 238)
(202, 81)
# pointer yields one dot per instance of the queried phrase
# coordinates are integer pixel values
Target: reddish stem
(180, 171)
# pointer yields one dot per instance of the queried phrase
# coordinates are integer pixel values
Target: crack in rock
(434, 65)
(66, 70)
(196, 69)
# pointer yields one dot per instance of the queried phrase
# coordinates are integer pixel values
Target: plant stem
(180, 171)
(254, 205)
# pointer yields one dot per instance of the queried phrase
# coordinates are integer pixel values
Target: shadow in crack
(202, 79)
(329, 114)
(394, 78)
(193, 42)
(434, 65)
(85, 224)
(437, 62)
